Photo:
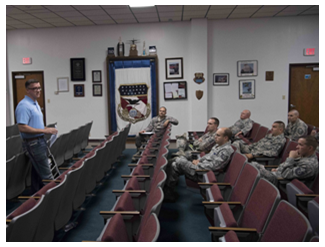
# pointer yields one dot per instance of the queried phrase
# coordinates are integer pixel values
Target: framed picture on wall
(79, 90)
(97, 75)
(247, 68)
(175, 90)
(174, 68)
(247, 89)
(220, 79)
(77, 69)
(97, 90)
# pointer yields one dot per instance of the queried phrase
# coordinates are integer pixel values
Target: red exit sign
(309, 52)
(27, 60)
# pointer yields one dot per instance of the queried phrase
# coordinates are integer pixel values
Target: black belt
(33, 139)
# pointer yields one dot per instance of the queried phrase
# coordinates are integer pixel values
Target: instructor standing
(31, 127)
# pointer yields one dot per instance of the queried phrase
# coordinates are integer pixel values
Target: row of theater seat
(134, 217)
(18, 166)
(51, 208)
(242, 206)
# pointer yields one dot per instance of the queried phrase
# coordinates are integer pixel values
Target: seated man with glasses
(31, 127)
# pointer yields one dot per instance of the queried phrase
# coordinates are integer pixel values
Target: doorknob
(291, 105)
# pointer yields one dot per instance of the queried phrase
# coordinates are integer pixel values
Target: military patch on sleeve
(300, 171)
(300, 131)
(223, 155)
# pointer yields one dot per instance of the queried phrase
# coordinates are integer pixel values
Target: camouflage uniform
(218, 158)
(268, 146)
(304, 167)
(242, 125)
(156, 125)
(294, 131)
(208, 141)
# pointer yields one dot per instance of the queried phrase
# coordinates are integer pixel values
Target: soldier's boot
(170, 195)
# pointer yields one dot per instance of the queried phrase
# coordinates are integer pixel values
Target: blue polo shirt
(29, 112)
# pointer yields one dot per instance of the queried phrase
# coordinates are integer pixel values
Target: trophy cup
(133, 48)
(120, 48)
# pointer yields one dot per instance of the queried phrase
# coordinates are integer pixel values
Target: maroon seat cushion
(228, 215)
(316, 199)
(132, 184)
(125, 203)
(231, 237)
(301, 186)
(216, 193)
(26, 206)
(149, 231)
(138, 170)
(43, 190)
(116, 230)
(211, 177)
(286, 225)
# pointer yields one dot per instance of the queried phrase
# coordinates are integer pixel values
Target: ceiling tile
(21, 26)
(170, 8)
(29, 7)
(93, 12)
(115, 6)
(171, 18)
(86, 7)
(196, 7)
(103, 22)
(213, 17)
(248, 6)
(144, 10)
(297, 8)
(22, 16)
(63, 24)
(146, 15)
(118, 11)
(83, 23)
(33, 21)
(195, 13)
(213, 7)
(12, 10)
(100, 18)
(272, 8)
(121, 17)
(170, 14)
(125, 21)
(245, 10)
(45, 16)
(42, 25)
(69, 13)
(77, 18)
(59, 7)
(240, 15)
(13, 22)
(219, 12)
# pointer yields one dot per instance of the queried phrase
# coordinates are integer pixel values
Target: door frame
(14, 89)
(315, 64)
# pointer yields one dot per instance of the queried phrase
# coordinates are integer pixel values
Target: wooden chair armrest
(210, 184)
(137, 176)
(130, 191)
(49, 181)
(134, 165)
(64, 168)
(119, 212)
(201, 171)
(219, 203)
(28, 197)
(271, 166)
(307, 195)
(8, 221)
(239, 229)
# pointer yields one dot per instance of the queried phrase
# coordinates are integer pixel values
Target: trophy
(133, 48)
(120, 48)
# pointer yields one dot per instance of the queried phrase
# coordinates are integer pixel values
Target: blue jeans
(38, 153)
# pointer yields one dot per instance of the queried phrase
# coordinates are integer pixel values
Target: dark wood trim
(111, 59)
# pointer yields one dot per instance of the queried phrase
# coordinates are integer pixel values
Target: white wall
(206, 46)
(275, 43)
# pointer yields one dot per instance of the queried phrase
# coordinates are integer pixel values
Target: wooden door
(304, 92)
(19, 90)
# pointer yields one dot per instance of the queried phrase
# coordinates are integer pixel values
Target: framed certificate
(97, 75)
(97, 90)
(77, 69)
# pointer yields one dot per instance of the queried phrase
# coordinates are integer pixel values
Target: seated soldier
(269, 146)
(296, 127)
(301, 163)
(243, 125)
(203, 144)
(218, 158)
(157, 125)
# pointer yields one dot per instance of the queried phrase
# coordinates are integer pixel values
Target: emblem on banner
(199, 78)
(134, 106)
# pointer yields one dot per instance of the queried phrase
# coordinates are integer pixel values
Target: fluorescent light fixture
(141, 6)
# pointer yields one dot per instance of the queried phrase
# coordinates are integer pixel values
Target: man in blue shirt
(31, 127)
